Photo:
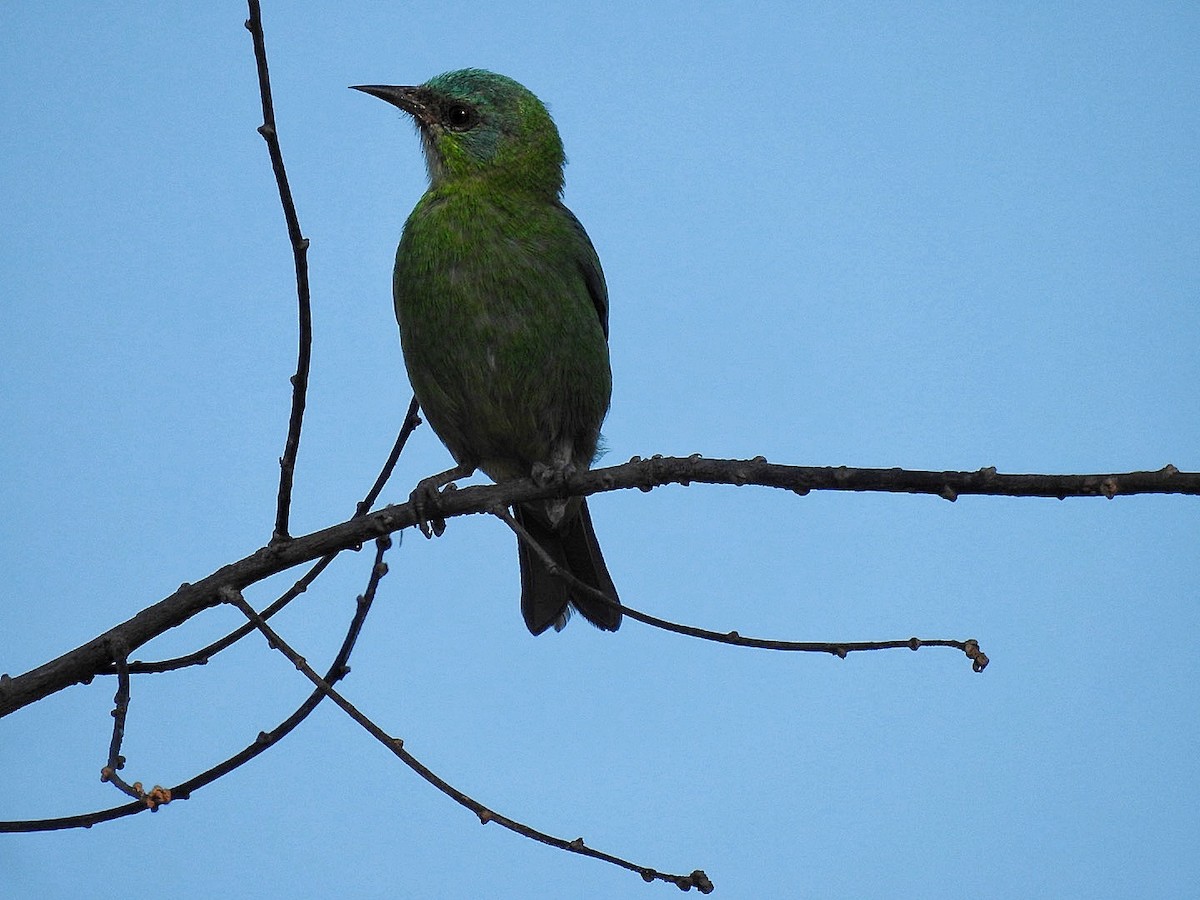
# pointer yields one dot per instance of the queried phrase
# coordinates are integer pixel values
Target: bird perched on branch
(503, 315)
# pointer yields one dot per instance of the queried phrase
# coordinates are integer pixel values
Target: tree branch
(84, 662)
(287, 462)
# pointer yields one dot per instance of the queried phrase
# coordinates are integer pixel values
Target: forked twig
(183, 791)
(204, 654)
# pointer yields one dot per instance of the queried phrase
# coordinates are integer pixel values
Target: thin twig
(840, 649)
(287, 462)
(204, 654)
(697, 879)
(411, 420)
(158, 795)
(183, 791)
(119, 712)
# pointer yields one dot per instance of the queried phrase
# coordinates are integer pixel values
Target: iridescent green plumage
(503, 317)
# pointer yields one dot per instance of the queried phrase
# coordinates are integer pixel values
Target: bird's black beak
(413, 100)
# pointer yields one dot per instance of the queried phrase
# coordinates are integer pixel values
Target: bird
(503, 315)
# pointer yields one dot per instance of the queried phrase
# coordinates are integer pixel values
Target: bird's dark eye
(460, 117)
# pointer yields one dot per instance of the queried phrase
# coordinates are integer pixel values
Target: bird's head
(477, 124)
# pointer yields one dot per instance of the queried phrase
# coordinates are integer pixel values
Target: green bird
(503, 315)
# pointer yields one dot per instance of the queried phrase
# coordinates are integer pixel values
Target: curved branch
(291, 447)
(84, 662)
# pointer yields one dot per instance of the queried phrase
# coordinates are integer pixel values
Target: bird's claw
(543, 474)
(424, 500)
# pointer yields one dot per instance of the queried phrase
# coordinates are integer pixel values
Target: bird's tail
(547, 600)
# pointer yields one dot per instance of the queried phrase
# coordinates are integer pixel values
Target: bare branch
(696, 879)
(287, 463)
(84, 662)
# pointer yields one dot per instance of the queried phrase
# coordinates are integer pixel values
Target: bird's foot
(545, 474)
(424, 500)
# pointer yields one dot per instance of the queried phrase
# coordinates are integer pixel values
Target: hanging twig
(840, 649)
(696, 879)
(157, 796)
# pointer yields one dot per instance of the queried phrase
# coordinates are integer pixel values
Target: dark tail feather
(546, 600)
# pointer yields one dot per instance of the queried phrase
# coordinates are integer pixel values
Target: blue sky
(921, 235)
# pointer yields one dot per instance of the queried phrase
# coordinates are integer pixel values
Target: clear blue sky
(921, 235)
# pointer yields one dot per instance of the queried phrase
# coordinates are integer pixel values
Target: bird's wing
(589, 267)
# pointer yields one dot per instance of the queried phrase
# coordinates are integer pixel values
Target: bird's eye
(460, 117)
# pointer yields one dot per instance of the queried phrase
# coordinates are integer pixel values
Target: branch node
(978, 658)
(700, 882)
(914, 643)
(948, 493)
(158, 796)
(231, 595)
(266, 131)
(485, 816)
